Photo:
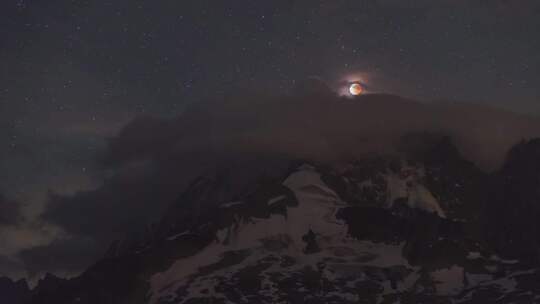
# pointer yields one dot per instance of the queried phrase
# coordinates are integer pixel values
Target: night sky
(74, 73)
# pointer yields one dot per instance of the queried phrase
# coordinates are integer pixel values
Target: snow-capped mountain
(425, 227)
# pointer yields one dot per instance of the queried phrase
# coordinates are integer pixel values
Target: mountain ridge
(425, 213)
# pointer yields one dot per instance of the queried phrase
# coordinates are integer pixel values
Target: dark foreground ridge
(429, 227)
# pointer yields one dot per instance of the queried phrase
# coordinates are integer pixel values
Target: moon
(356, 89)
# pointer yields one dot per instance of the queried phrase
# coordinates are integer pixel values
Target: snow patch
(407, 186)
(228, 205)
(174, 237)
(276, 199)
(498, 259)
(473, 255)
(449, 281)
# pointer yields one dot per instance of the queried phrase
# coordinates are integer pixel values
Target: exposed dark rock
(13, 292)
(311, 242)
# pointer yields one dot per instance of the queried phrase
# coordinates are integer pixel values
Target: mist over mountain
(152, 159)
(375, 197)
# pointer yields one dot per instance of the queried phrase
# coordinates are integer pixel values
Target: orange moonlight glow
(356, 89)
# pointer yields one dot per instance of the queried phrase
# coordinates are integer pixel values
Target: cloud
(10, 211)
(63, 257)
(151, 159)
(319, 126)
(11, 267)
(18, 234)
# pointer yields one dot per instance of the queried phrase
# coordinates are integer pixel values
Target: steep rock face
(513, 208)
(426, 228)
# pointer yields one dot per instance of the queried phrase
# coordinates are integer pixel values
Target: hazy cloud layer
(319, 126)
(152, 159)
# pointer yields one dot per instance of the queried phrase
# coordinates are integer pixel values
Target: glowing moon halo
(356, 89)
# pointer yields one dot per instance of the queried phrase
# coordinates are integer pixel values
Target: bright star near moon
(355, 89)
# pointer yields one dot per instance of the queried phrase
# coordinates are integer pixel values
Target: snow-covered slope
(314, 215)
(310, 252)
